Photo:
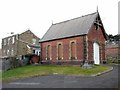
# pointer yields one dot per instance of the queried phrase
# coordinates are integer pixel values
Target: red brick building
(75, 41)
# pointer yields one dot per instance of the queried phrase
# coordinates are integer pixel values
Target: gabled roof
(69, 28)
(21, 34)
(29, 31)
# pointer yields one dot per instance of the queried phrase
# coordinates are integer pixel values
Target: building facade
(16, 45)
(75, 41)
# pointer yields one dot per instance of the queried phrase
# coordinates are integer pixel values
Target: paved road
(107, 80)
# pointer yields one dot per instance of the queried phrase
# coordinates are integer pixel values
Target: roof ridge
(30, 32)
(74, 18)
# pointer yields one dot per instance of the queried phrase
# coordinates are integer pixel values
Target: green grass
(110, 61)
(0, 76)
(28, 71)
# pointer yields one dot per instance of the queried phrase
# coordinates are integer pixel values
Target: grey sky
(37, 15)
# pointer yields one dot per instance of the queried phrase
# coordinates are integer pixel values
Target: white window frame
(34, 41)
(37, 52)
(8, 52)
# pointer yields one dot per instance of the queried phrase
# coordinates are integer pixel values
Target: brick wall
(96, 36)
(93, 36)
(113, 50)
(66, 48)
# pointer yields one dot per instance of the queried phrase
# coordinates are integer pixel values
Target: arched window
(73, 50)
(48, 51)
(60, 51)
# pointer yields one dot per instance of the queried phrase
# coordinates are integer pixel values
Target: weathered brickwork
(112, 50)
(93, 36)
(66, 48)
(96, 36)
(86, 44)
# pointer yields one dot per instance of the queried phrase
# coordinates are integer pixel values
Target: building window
(48, 52)
(8, 41)
(59, 51)
(33, 51)
(36, 52)
(17, 37)
(8, 52)
(4, 52)
(73, 50)
(13, 40)
(12, 52)
(39, 53)
(33, 41)
(4, 42)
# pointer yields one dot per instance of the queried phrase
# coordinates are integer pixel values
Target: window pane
(13, 40)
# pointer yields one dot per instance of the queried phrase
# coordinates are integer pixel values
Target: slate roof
(69, 28)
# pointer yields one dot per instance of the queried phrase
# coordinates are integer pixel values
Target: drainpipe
(40, 53)
(83, 50)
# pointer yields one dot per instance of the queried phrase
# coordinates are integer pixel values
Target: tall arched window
(48, 51)
(73, 50)
(60, 51)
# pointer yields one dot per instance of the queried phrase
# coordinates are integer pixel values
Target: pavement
(104, 80)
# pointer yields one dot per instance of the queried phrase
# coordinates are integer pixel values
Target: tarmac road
(107, 80)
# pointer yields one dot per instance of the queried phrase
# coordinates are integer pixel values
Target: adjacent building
(112, 48)
(75, 41)
(17, 45)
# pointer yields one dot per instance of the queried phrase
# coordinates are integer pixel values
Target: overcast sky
(37, 15)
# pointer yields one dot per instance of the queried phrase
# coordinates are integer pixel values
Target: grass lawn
(0, 76)
(30, 70)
